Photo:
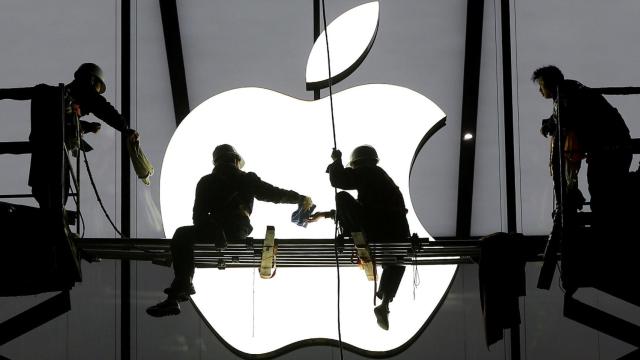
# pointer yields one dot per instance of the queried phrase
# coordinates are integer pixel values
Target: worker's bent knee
(183, 231)
(344, 197)
(183, 234)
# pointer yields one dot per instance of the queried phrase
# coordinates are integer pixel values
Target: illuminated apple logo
(287, 142)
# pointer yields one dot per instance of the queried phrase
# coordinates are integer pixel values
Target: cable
(253, 296)
(416, 273)
(106, 214)
(95, 189)
(115, 155)
(326, 37)
(75, 200)
(335, 251)
(335, 146)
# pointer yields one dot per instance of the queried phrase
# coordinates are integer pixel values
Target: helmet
(363, 152)
(91, 73)
(222, 153)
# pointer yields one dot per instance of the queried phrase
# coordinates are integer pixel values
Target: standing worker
(81, 97)
(379, 213)
(595, 130)
(221, 211)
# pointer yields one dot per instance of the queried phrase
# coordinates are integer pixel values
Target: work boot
(180, 289)
(165, 308)
(180, 293)
(382, 315)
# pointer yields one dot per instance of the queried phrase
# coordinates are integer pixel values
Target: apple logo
(287, 142)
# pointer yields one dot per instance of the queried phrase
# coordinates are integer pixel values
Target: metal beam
(125, 183)
(304, 252)
(601, 321)
(505, 22)
(469, 115)
(175, 59)
(34, 317)
(15, 147)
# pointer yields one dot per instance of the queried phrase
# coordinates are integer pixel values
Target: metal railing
(60, 155)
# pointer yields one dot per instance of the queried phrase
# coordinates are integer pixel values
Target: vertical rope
(253, 297)
(115, 181)
(115, 156)
(416, 274)
(335, 146)
(326, 38)
(135, 188)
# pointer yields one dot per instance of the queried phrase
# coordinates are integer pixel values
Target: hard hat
(92, 74)
(363, 152)
(223, 151)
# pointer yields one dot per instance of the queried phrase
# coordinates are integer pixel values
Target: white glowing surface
(349, 36)
(288, 143)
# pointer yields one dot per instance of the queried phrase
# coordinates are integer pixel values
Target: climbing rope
(335, 146)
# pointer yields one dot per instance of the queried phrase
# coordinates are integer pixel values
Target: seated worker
(379, 212)
(81, 97)
(221, 210)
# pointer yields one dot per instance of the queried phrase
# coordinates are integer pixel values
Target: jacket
(226, 196)
(45, 106)
(381, 199)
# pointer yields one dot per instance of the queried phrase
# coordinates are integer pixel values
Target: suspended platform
(304, 252)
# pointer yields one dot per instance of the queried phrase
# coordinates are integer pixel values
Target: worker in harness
(82, 96)
(379, 212)
(221, 211)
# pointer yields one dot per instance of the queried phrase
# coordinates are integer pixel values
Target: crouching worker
(223, 204)
(379, 213)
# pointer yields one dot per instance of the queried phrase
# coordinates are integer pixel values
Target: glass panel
(44, 42)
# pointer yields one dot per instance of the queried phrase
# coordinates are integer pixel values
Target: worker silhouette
(221, 211)
(594, 130)
(81, 97)
(379, 213)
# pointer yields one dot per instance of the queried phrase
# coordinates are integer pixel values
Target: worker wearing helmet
(221, 211)
(379, 212)
(81, 97)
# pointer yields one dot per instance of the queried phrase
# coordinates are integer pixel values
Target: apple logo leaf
(351, 36)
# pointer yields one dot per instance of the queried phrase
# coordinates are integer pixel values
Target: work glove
(548, 127)
(305, 202)
(89, 127)
(336, 155)
(141, 164)
(322, 215)
(132, 135)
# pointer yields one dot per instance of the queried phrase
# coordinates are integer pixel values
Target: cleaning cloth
(300, 216)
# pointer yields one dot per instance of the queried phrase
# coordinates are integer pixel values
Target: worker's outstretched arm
(25, 93)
